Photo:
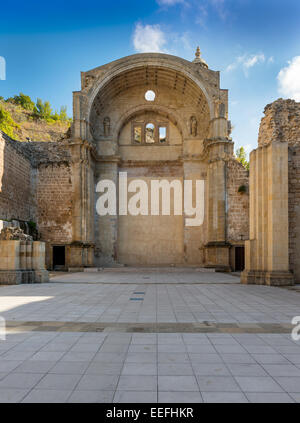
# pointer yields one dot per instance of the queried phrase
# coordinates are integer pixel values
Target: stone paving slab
(149, 303)
(140, 275)
(212, 340)
(166, 376)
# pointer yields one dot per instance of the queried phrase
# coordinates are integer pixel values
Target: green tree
(7, 124)
(43, 109)
(63, 113)
(55, 116)
(24, 101)
(242, 157)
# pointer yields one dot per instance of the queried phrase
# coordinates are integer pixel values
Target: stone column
(267, 260)
(107, 226)
(219, 148)
(83, 210)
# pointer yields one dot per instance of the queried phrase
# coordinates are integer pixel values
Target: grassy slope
(36, 130)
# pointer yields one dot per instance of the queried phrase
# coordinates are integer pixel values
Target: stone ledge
(13, 326)
(272, 278)
(16, 277)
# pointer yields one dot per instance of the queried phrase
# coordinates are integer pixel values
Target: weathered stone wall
(54, 202)
(53, 191)
(280, 123)
(237, 203)
(273, 250)
(294, 211)
(36, 185)
(17, 181)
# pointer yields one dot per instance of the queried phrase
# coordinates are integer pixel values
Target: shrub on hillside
(24, 101)
(7, 124)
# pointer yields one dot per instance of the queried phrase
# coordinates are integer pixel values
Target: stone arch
(101, 83)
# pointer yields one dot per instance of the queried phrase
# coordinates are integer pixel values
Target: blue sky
(254, 43)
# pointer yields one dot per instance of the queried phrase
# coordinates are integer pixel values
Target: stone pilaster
(107, 226)
(80, 252)
(267, 260)
(219, 149)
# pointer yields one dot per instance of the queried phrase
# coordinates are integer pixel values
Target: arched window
(162, 134)
(137, 134)
(150, 133)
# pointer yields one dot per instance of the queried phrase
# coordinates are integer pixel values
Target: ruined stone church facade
(151, 116)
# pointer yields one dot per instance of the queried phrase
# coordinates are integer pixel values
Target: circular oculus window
(150, 95)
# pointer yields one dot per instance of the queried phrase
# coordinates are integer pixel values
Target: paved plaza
(149, 335)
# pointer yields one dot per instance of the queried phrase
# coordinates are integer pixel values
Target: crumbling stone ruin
(155, 116)
(273, 250)
(12, 233)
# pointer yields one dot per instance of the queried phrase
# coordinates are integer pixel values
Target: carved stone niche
(193, 126)
(89, 79)
(106, 126)
(222, 110)
(229, 128)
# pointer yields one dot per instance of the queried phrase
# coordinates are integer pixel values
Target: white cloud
(149, 39)
(246, 62)
(202, 15)
(219, 5)
(208, 7)
(169, 2)
(289, 79)
(254, 60)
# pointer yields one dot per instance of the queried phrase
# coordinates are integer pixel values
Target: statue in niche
(193, 126)
(106, 126)
(229, 128)
(88, 80)
(222, 110)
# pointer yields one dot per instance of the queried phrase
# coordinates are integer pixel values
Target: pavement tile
(258, 384)
(98, 382)
(267, 397)
(139, 369)
(224, 397)
(135, 397)
(210, 369)
(12, 395)
(175, 369)
(21, 380)
(91, 396)
(217, 383)
(177, 383)
(47, 396)
(179, 397)
(59, 381)
(137, 383)
(289, 384)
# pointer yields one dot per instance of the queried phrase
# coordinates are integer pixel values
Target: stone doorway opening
(239, 259)
(59, 257)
